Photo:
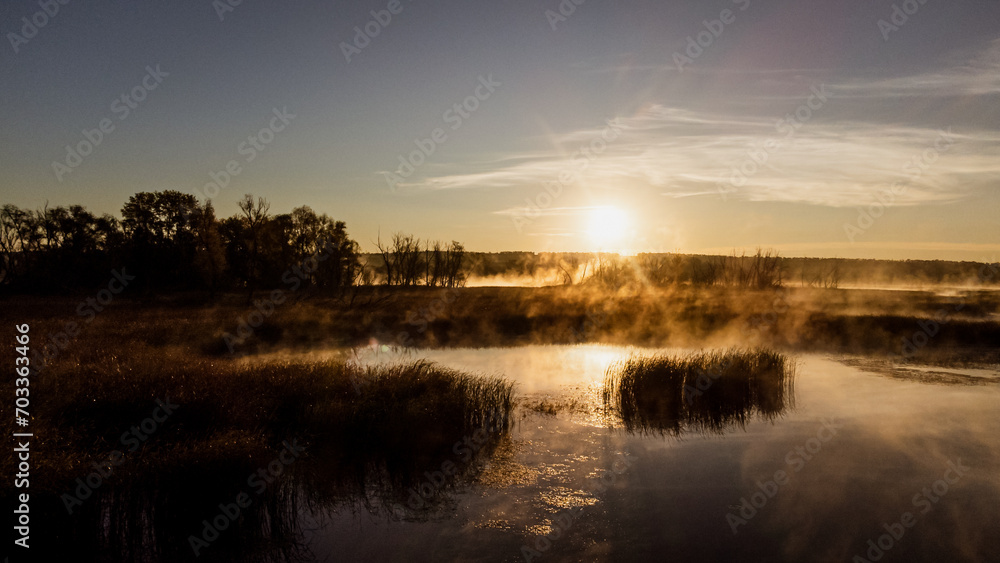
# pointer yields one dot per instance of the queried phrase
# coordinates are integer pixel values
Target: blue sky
(807, 127)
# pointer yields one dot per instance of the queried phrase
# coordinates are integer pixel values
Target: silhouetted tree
(334, 258)
(403, 260)
(17, 231)
(454, 265)
(160, 238)
(210, 256)
(255, 217)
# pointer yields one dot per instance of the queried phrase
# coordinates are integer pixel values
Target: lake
(869, 462)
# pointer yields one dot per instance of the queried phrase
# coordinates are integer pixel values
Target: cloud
(977, 74)
(980, 76)
(683, 153)
(822, 160)
(547, 212)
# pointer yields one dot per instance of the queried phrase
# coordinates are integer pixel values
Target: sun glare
(607, 226)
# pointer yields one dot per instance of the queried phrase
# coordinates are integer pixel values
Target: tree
(454, 265)
(309, 235)
(210, 257)
(403, 260)
(170, 241)
(17, 232)
(444, 265)
(255, 217)
(160, 238)
(55, 248)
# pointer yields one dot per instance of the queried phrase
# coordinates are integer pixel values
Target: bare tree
(403, 260)
(16, 233)
(454, 259)
(385, 252)
(406, 253)
(762, 270)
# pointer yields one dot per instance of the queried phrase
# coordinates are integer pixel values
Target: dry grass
(710, 391)
(231, 410)
(369, 432)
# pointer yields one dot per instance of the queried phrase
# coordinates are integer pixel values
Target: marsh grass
(709, 391)
(230, 409)
(369, 431)
(855, 321)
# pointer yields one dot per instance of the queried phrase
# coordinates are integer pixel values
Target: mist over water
(581, 281)
(855, 451)
(747, 470)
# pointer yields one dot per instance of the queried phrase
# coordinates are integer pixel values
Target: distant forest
(170, 242)
(760, 270)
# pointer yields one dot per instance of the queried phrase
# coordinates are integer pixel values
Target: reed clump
(228, 411)
(708, 391)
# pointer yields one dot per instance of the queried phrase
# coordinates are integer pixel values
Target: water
(858, 451)
(903, 458)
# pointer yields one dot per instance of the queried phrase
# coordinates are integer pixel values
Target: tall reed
(709, 391)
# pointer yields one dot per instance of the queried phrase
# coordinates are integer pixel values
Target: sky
(860, 129)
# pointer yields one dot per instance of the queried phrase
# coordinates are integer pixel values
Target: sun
(607, 226)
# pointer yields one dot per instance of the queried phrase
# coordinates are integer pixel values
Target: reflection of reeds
(369, 431)
(709, 391)
(405, 419)
(154, 519)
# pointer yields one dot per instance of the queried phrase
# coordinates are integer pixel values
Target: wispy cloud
(979, 76)
(548, 212)
(841, 162)
(684, 154)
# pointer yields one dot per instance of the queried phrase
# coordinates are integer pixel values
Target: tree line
(172, 242)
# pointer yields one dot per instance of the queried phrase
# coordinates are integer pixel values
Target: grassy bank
(202, 413)
(135, 446)
(841, 321)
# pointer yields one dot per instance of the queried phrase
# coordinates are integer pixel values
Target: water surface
(857, 452)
